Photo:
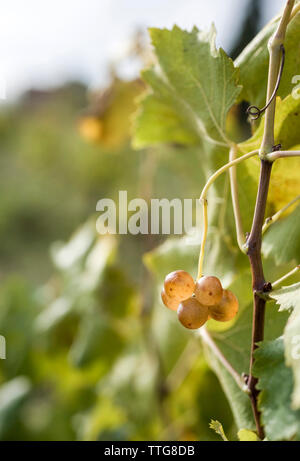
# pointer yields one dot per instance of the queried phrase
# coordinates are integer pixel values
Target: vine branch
(255, 238)
(275, 47)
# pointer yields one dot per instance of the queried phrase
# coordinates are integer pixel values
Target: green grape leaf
(282, 239)
(193, 86)
(157, 121)
(289, 298)
(218, 428)
(275, 381)
(254, 60)
(245, 435)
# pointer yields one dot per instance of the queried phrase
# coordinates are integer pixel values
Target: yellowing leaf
(245, 435)
(90, 128)
(108, 120)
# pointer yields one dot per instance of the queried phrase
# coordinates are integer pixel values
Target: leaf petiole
(286, 276)
(203, 200)
(272, 219)
(282, 154)
(206, 337)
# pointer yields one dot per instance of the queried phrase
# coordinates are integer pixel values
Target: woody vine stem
(254, 240)
(268, 153)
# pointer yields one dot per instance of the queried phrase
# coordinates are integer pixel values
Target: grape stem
(272, 219)
(207, 338)
(203, 200)
(255, 238)
(240, 235)
(274, 46)
(282, 154)
(286, 276)
(295, 11)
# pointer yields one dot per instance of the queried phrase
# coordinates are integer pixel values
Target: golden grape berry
(192, 314)
(208, 290)
(170, 303)
(179, 284)
(227, 309)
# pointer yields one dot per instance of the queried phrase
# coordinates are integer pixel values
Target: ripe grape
(170, 303)
(227, 309)
(192, 314)
(208, 290)
(179, 285)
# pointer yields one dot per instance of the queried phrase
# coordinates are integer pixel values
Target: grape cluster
(196, 302)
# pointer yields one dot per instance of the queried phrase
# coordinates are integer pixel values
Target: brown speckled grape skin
(179, 284)
(208, 290)
(192, 314)
(170, 303)
(227, 309)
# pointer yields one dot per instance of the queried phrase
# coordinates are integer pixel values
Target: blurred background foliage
(91, 354)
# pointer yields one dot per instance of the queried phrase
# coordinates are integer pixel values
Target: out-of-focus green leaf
(253, 63)
(18, 309)
(96, 261)
(275, 381)
(116, 295)
(97, 340)
(193, 87)
(282, 240)
(104, 418)
(174, 253)
(83, 277)
(54, 314)
(169, 335)
(289, 298)
(66, 255)
(12, 395)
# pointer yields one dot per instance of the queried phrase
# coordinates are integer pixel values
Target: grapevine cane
(255, 239)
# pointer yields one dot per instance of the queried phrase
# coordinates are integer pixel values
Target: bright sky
(46, 42)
